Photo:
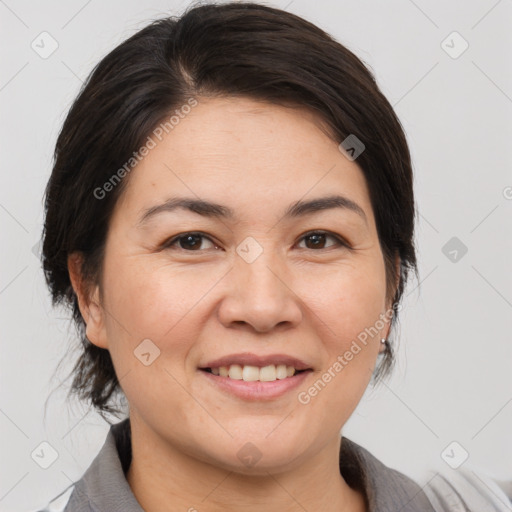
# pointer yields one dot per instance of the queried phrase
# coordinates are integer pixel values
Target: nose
(259, 296)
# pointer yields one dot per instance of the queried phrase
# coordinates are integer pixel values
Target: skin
(197, 304)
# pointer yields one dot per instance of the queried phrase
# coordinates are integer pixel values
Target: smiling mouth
(249, 373)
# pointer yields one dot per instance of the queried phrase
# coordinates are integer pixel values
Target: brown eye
(317, 240)
(189, 242)
(193, 242)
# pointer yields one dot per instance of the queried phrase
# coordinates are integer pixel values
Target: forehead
(248, 154)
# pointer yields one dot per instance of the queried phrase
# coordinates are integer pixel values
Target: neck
(163, 477)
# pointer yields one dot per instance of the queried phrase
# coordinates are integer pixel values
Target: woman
(231, 216)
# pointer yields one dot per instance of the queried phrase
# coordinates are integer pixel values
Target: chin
(249, 460)
(258, 453)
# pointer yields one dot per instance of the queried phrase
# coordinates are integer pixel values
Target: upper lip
(247, 358)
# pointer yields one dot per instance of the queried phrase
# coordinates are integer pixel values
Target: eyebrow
(215, 210)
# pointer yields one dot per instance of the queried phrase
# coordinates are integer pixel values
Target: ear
(88, 302)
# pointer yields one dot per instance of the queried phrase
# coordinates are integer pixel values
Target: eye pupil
(193, 241)
(317, 238)
(188, 239)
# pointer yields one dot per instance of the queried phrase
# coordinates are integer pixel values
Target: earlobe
(383, 346)
(95, 324)
(88, 302)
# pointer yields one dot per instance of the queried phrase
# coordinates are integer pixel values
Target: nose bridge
(260, 294)
(258, 263)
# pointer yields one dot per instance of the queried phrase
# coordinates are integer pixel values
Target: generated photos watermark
(343, 360)
(151, 143)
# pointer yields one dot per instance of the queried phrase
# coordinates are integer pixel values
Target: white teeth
(281, 372)
(235, 372)
(250, 373)
(268, 373)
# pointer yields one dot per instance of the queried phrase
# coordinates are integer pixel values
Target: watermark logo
(351, 147)
(249, 249)
(454, 45)
(454, 455)
(304, 397)
(249, 454)
(454, 249)
(143, 151)
(44, 45)
(146, 352)
(44, 455)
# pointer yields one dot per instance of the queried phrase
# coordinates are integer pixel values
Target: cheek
(169, 307)
(150, 330)
(151, 300)
(347, 299)
(347, 316)
(347, 307)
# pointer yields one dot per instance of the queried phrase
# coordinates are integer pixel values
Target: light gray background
(453, 380)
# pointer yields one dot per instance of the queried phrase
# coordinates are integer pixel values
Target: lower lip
(256, 390)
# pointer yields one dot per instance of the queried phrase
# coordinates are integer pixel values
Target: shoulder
(103, 486)
(463, 490)
(466, 489)
(386, 489)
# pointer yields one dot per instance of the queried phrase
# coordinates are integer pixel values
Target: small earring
(384, 340)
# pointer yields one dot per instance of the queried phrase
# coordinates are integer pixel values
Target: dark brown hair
(231, 49)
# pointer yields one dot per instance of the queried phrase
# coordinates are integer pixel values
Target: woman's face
(256, 289)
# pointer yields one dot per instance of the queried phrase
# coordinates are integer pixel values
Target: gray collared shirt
(104, 488)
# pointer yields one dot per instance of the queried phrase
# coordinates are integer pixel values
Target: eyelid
(339, 239)
(169, 243)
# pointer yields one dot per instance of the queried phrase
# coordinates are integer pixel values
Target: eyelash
(168, 244)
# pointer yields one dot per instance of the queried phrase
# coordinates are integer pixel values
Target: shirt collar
(105, 485)
(386, 489)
